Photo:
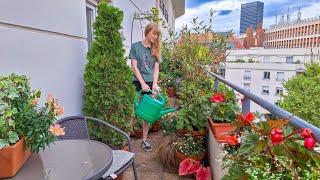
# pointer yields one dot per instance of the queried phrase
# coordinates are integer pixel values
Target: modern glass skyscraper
(251, 15)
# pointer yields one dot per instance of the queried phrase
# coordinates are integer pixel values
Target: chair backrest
(75, 127)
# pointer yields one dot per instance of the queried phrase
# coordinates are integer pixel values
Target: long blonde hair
(155, 47)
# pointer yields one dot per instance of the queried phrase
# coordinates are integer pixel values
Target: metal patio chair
(76, 128)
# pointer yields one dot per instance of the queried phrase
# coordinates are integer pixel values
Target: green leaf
(3, 143)
(2, 122)
(13, 137)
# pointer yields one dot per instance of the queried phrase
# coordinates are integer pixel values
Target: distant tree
(303, 95)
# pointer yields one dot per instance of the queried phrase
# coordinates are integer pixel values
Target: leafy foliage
(301, 92)
(109, 93)
(189, 145)
(19, 116)
(260, 157)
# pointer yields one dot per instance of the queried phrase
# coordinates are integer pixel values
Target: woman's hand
(154, 90)
(145, 87)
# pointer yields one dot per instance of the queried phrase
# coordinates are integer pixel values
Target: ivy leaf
(3, 143)
(13, 137)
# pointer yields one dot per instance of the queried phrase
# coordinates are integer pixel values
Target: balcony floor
(148, 164)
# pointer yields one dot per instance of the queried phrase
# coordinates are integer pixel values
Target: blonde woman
(145, 58)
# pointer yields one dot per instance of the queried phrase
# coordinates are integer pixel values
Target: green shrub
(302, 94)
(109, 93)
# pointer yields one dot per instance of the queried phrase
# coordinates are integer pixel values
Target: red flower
(233, 140)
(246, 119)
(217, 97)
(203, 173)
(276, 135)
(306, 132)
(309, 143)
(187, 166)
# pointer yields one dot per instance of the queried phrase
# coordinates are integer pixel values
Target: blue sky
(227, 12)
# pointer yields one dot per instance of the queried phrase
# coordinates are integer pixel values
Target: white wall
(235, 72)
(46, 40)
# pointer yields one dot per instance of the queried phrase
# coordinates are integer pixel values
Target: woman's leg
(145, 129)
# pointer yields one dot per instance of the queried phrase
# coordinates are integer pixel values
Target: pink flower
(276, 135)
(217, 97)
(34, 101)
(203, 173)
(306, 132)
(58, 110)
(50, 98)
(309, 143)
(57, 130)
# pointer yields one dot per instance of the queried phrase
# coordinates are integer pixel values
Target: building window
(279, 91)
(164, 10)
(289, 59)
(90, 16)
(222, 72)
(265, 90)
(280, 76)
(266, 75)
(246, 86)
(266, 59)
(247, 75)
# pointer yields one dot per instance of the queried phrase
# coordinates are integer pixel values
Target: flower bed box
(221, 130)
(12, 159)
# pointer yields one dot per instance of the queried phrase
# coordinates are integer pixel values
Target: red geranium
(246, 119)
(217, 97)
(306, 132)
(276, 135)
(233, 140)
(309, 143)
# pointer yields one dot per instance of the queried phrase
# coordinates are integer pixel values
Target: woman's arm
(155, 76)
(137, 73)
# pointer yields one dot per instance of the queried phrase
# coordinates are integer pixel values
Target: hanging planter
(12, 159)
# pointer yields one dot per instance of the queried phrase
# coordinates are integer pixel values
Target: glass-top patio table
(68, 160)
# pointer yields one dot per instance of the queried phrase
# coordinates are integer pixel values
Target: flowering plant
(222, 106)
(190, 166)
(189, 146)
(272, 150)
(21, 117)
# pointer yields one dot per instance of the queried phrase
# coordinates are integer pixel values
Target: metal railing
(294, 121)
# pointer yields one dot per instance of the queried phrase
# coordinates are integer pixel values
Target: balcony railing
(294, 121)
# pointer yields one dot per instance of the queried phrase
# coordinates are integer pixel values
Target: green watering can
(150, 109)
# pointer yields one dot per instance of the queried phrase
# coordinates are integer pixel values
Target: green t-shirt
(145, 61)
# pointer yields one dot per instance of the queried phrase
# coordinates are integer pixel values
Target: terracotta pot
(155, 127)
(171, 92)
(12, 159)
(222, 130)
(138, 134)
(182, 157)
(126, 148)
(196, 134)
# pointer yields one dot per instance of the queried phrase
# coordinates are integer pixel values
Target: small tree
(302, 98)
(109, 93)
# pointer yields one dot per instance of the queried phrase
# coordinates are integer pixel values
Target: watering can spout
(166, 111)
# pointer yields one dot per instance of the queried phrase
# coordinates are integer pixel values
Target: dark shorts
(138, 85)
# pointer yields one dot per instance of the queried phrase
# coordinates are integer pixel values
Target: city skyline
(227, 12)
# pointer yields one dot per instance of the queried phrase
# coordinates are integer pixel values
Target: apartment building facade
(264, 71)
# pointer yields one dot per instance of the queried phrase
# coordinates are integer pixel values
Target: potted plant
(108, 93)
(24, 127)
(194, 168)
(222, 109)
(137, 128)
(273, 150)
(189, 147)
